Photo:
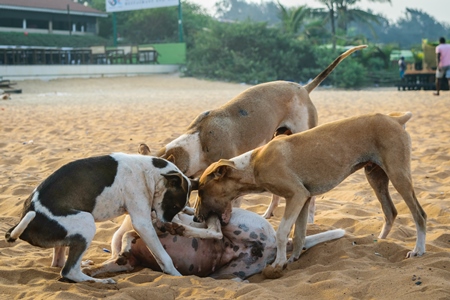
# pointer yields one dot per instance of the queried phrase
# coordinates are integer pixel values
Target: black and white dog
(62, 211)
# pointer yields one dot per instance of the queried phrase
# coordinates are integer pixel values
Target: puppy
(62, 211)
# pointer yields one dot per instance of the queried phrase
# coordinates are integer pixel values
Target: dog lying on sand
(247, 246)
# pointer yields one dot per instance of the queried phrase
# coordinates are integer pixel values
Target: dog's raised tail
(324, 74)
(13, 234)
(322, 237)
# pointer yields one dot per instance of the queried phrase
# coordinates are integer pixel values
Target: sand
(55, 122)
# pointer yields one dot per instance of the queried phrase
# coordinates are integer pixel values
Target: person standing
(402, 67)
(443, 63)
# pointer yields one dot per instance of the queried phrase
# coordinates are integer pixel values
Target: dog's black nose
(196, 219)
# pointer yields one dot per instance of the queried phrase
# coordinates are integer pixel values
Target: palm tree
(340, 13)
(292, 19)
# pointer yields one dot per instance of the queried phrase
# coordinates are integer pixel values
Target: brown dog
(245, 122)
(313, 162)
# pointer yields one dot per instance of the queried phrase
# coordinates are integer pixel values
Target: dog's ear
(161, 152)
(173, 179)
(218, 169)
(171, 158)
(144, 149)
(226, 162)
(222, 166)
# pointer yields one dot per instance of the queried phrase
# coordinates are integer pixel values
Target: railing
(417, 80)
(26, 55)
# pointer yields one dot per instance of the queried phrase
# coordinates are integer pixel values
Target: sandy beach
(54, 122)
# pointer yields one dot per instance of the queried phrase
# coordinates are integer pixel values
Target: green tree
(292, 19)
(415, 26)
(249, 52)
(241, 10)
(341, 12)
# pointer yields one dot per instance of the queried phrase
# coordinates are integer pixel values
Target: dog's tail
(12, 234)
(401, 118)
(322, 237)
(313, 84)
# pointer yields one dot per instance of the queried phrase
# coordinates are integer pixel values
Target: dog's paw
(66, 280)
(158, 224)
(123, 258)
(86, 263)
(272, 272)
(292, 259)
(267, 215)
(237, 279)
(174, 228)
(414, 253)
(108, 281)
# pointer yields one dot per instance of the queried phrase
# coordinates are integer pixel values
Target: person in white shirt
(443, 63)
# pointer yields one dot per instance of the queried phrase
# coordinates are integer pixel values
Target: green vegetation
(236, 52)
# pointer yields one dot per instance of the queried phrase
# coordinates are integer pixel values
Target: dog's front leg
(146, 231)
(276, 201)
(212, 230)
(292, 211)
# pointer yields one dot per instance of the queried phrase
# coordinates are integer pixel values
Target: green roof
(407, 54)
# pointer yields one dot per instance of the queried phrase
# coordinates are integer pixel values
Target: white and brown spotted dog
(248, 244)
(62, 211)
(313, 162)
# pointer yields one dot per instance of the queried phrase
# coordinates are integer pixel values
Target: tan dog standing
(245, 122)
(313, 162)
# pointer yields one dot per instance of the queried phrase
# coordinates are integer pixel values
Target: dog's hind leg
(300, 232)
(59, 257)
(402, 182)
(78, 242)
(379, 182)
